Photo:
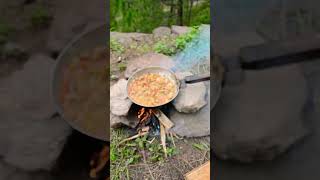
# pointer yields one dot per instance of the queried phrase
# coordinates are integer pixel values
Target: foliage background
(145, 15)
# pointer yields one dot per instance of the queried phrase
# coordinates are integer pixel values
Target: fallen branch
(163, 139)
(172, 139)
(133, 137)
(101, 162)
(166, 122)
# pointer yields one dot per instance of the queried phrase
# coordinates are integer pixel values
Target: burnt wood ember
(146, 117)
(80, 155)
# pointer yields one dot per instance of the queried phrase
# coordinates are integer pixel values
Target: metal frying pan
(168, 74)
(94, 37)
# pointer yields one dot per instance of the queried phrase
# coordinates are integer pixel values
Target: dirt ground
(176, 167)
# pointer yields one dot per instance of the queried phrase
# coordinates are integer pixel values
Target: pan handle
(197, 78)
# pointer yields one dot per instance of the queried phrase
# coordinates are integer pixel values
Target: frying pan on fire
(169, 75)
(88, 40)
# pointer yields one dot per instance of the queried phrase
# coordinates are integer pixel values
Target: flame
(99, 162)
(144, 114)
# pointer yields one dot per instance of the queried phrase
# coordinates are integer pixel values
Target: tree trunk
(171, 13)
(180, 13)
(190, 11)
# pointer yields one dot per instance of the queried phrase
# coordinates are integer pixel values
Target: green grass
(131, 152)
(201, 146)
(40, 17)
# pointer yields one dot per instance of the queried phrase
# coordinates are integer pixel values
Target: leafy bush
(135, 15)
(40, 17)
(5, 31)
(184, 39)
(172, 47)
(163, 48)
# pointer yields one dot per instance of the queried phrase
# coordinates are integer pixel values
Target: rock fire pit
(189, 111)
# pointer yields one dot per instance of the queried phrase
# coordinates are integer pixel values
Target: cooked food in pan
(152, 89)
(83, 93)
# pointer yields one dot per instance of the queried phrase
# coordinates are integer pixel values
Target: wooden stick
(163, 139)
(163, 119)
(133, 137)
(172, 139)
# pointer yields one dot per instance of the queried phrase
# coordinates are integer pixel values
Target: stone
(126, 39)
(5, 170)
(195, 124)
(79, 16)
(15, 51)
(119, 100)
(179, 30)
(147, 60)
(161, 32)
(191, 98)
(30, 138)
(262, 117)
(11, 173)
(37, 147)
(118, 121)
(114, 77)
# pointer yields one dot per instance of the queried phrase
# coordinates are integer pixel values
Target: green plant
(163, 48)
(122, 156)
(40, 17)
(122, 66)
(115, 46)
(5, 32)
(135, 15)
(184, 39)
(131, 152)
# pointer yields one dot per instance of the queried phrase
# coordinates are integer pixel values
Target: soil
(176, 167)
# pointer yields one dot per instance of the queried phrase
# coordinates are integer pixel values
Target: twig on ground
(172, 139)
(133, 137)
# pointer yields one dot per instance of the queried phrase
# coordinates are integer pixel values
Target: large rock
(179, 30)
(37, 146)
(8, 172)
(118, 121)
(79, 16)
(126, 39)
(30, 138)
(262, 117)
(191, 98)
(119, 101)
(147, 60)
(195, 124)
(161, 32)
(12, 50)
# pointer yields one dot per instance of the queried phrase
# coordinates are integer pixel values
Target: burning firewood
(143, 127)
(99, 163)
(163, 119)
(163, 139)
